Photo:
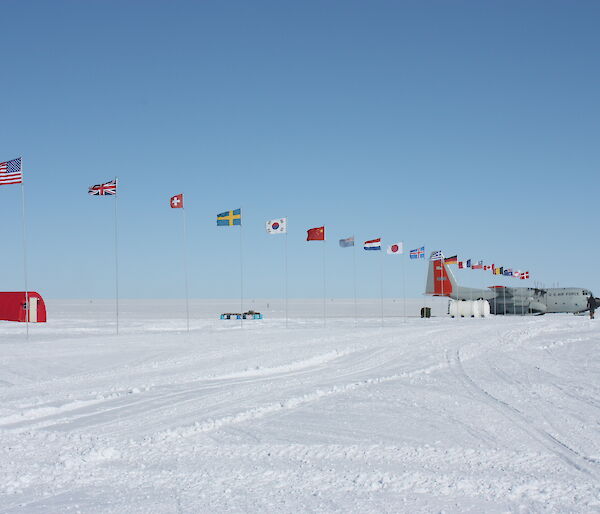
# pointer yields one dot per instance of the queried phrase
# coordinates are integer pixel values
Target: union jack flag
(11, 172)
(108, 188)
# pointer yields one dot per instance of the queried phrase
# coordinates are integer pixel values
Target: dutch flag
(374, 244)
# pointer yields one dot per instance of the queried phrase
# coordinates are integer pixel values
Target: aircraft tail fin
(440, 280)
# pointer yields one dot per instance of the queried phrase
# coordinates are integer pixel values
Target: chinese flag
(316, 234)
(177, 201)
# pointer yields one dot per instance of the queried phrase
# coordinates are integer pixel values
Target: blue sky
(470, 127)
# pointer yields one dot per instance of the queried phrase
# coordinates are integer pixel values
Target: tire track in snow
(169, 405)
(551, 443)
(124, 406)
(282, 405)
(128, 370)
(40, 414)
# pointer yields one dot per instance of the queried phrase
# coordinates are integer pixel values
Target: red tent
(13, 307)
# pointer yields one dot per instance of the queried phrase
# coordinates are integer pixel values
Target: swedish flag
(229, 218)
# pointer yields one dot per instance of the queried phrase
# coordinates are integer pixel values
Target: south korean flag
(278, 226)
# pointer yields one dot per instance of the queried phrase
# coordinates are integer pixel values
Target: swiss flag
(177, 201)
(316, 234)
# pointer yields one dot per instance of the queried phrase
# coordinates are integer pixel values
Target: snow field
(470, 415)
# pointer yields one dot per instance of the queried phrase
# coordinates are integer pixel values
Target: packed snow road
(471, 415)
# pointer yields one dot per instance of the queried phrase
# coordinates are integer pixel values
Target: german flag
(451, 260)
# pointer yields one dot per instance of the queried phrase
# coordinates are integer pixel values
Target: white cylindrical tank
(465, 309)
(469, 308)
(484, 308)
(456, 309)
(453, 308)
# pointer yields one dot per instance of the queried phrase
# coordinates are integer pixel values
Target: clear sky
(467, 126)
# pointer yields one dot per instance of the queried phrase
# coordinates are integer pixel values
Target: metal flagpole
(116, 255)
(354, 273)
(241, 276)
(286, 273)
(381, 285)
(185, 270)
(471, 293)
(443, 261)
(442, 276)
(324, 289)
(403, 282)
(23, 218)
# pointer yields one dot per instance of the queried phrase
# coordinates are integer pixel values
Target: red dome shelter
(13, 307)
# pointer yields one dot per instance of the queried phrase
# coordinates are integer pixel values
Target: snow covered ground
(420, 415)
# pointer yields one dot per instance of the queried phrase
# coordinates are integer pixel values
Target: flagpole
(471, 292)
(116, 255)
(286, 272)
(23, 220)
(403, 282)
(441, 273)
(354, 276)
(241, 276)
(381, 283)
(185, 270)
(324, 288)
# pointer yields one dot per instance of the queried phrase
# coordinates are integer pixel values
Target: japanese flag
(395, 248)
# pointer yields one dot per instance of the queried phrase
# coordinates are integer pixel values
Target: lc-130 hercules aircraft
(508, 300)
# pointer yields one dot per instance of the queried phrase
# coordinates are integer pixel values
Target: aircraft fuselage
(527, 300)
(508, 300)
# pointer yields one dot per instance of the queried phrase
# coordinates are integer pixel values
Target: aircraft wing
(502, 291)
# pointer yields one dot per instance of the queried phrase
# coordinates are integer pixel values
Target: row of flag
(275, 226)
(279, 226)
(11, 173)
(496, 270)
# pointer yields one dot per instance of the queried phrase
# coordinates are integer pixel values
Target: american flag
(11, 172)
(108, 188)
